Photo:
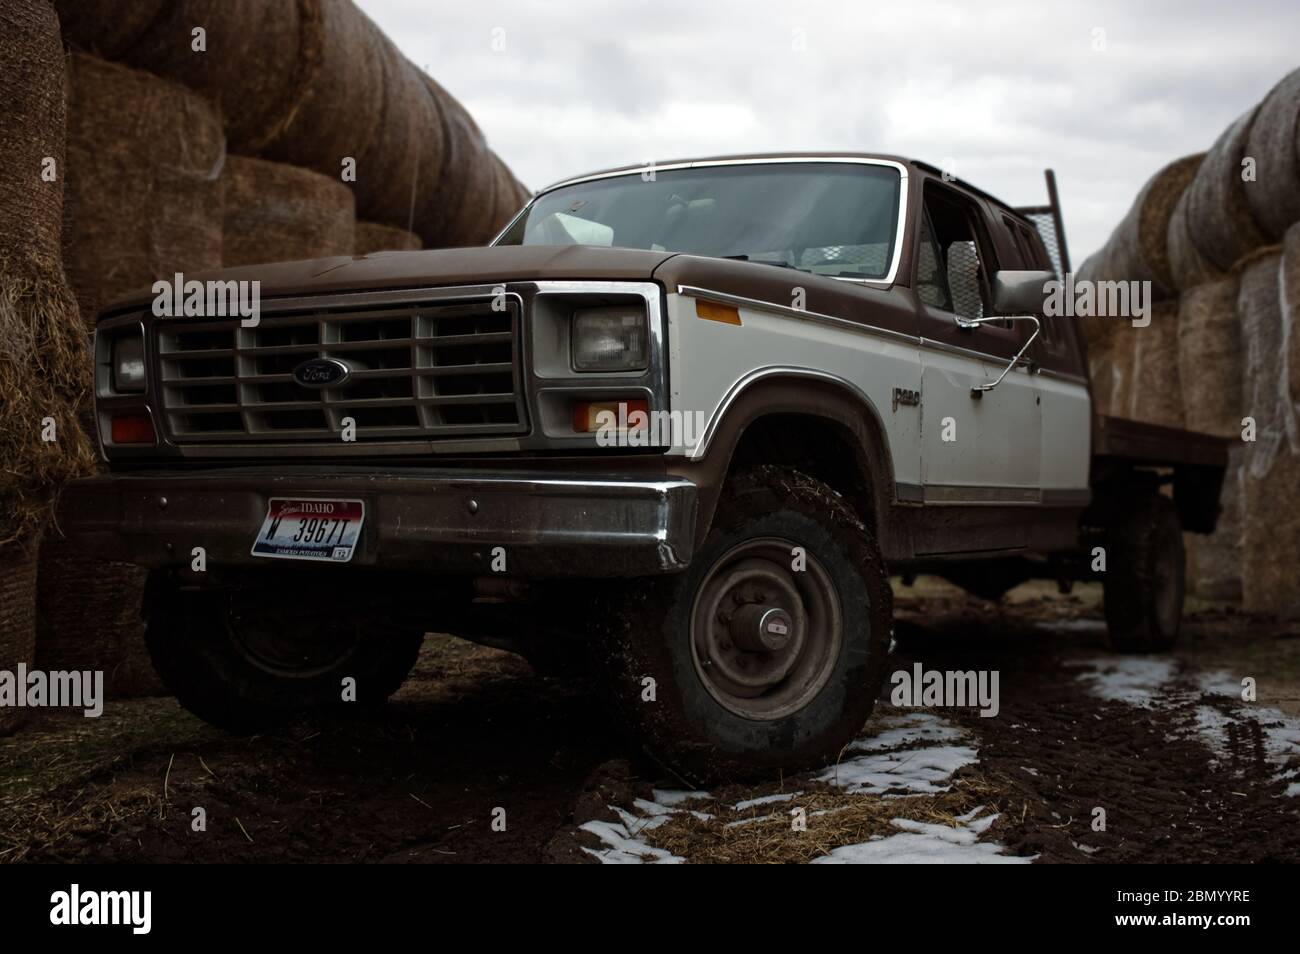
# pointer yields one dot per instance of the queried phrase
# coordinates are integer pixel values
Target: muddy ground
(1184, 769)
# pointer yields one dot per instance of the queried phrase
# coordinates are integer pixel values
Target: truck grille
(415, 372)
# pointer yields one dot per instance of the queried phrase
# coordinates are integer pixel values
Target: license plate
(310, 529)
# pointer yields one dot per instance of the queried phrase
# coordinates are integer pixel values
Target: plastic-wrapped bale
(254, 60)
(44, 364)
(1137, 250)
(1154, 394)
(315, 83)
(1110, 367)
(144, 181)
(1214, 561)
(374, 237)
(276, 212)
(1209, 343)
(17, 617)
(1271, 471)
(1187, 266)
(1274, 144)
(89, 619)
(107, 28)
(143, 202)
(1219, 220)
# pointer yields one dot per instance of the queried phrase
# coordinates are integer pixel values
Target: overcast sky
(1105, 93)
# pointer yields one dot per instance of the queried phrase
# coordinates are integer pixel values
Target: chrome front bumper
(436, 520)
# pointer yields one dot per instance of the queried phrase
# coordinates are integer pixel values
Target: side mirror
(1020, 292)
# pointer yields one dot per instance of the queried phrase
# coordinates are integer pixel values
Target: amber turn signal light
(712, 311)
(133, 429)
(586, 414)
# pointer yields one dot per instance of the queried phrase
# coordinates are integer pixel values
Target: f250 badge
(321, 373)
(906, 397)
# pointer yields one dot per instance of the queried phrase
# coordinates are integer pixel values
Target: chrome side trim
(900, 230)
(958, 493)
(740, 301)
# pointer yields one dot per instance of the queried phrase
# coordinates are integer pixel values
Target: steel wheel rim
(741, 656)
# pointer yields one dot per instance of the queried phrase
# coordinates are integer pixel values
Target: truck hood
(452, 266)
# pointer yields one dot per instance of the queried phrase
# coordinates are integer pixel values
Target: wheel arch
(803, 418)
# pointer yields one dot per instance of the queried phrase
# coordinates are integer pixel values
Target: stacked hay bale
(275, 212)
(1266, 307)
(316, 84)
(1137, 251)
(1221, 259)
(144, 200)
(43, 363)
(374, 237)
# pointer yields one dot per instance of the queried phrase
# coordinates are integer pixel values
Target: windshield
(835, 219)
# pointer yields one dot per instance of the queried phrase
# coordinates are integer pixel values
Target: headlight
(128, 362)
(609, 339)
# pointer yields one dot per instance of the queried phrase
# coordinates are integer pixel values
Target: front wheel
(244, 660)
(768, 652)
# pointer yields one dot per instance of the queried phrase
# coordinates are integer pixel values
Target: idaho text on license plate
(310, 529)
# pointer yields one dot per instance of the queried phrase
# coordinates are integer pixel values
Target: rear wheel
(768, 652)
(1144, 581)
(241, 663)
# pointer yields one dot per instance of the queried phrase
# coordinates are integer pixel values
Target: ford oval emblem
(321, 373)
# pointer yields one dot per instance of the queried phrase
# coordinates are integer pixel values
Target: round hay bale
(1209, 341)
(373, 237)
(1219, 220)
(1290, 303)
(1274, 144)
(257, 63)
(17, 617)
(1138, 248)
(1214, 561)
(1156, 395)
(88, 618)
(106, 28)
(1187, 266)
(1121, 354)
(44, 364)
(1105, 374)
(405, 160)
(277, 212)
(1271, 467)
(144, 181)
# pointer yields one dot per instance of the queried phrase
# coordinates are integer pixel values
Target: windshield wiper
(760, 261)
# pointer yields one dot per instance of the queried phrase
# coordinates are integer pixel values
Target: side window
(962, 251)
(1033, 255)
(931, 282)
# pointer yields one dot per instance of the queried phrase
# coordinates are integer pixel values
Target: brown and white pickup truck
(683, 420)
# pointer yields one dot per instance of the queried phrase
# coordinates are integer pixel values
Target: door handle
(977, 392)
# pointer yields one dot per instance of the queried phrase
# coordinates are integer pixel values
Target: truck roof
(757, 157)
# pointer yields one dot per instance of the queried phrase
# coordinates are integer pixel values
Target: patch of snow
(926, 843)
(1135, 680)
(764, 800)
(908, 729)
(625, 848)
(922, 771)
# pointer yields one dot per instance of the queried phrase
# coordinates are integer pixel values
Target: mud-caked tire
(198, 641)
(768, 652)
(1145, 573)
